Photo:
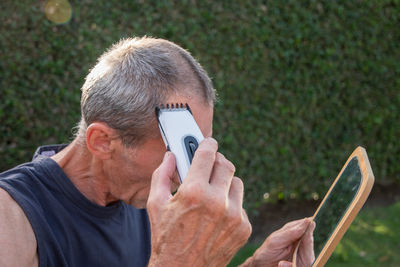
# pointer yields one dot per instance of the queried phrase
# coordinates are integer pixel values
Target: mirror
(340, 205)
(336, 204)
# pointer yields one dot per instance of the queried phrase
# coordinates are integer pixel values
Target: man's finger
(203, 161)
(236, 193)
(222, 174)
(306, 248)
(291, 232)
(162, 179)
(295, 223)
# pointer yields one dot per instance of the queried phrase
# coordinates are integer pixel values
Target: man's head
(134, 76)
(118, 124)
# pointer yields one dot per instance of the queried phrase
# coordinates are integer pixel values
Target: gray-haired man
(83, 206)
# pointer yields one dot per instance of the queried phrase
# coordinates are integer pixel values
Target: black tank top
(70, 229)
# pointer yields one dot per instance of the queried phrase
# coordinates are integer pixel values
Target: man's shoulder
(15, 175)
(23, 182)
(9, 208)
(40, 161)
(16, 234)
(20, 172)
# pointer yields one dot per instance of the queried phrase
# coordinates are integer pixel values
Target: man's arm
(18, 246)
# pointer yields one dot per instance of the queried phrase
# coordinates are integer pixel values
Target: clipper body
(180, 133)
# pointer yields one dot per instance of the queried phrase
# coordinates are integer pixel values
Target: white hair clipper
(180, 133)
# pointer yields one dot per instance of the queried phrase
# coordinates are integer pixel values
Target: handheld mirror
(340, 205)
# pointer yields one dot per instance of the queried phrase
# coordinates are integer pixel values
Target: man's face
(133, 167)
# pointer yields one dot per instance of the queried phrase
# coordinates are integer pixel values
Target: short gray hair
(132, 78)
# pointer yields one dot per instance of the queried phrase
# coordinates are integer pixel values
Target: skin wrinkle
(191, 241)
(232, 230)
(188, 247)
(207, 235)
(210, 246)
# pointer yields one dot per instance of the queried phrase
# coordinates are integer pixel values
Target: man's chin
(142, 203)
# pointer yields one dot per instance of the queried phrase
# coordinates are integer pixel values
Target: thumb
(160, 190)
(292, 231)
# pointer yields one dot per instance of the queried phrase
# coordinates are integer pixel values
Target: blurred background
(301, 84)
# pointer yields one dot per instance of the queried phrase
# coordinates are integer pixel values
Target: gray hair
(132, 78)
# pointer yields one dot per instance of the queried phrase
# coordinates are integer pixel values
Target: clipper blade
(173, 107)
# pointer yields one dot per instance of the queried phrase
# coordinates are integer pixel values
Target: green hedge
(301, 83)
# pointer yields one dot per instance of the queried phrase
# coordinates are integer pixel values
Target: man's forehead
(202, 111)
(203, 114)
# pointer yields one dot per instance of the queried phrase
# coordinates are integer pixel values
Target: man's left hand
(278, 248)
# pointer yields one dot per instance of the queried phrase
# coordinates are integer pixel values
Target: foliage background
(301, 83)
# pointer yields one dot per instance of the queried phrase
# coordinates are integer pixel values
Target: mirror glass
(336, 204)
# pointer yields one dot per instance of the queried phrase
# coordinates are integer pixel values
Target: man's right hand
(204, 223)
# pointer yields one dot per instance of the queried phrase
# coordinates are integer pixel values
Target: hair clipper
(180, 133)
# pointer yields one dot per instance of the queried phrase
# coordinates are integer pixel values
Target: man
(83, 206)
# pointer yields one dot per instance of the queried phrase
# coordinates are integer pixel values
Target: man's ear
(99, 139)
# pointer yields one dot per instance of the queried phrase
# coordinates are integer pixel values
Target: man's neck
(86, 172)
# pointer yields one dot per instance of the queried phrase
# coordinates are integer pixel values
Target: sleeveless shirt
(71, 230)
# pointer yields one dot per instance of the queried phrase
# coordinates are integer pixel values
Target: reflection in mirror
(336, 204)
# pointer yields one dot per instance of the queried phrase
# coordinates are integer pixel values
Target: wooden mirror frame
(367, 181)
